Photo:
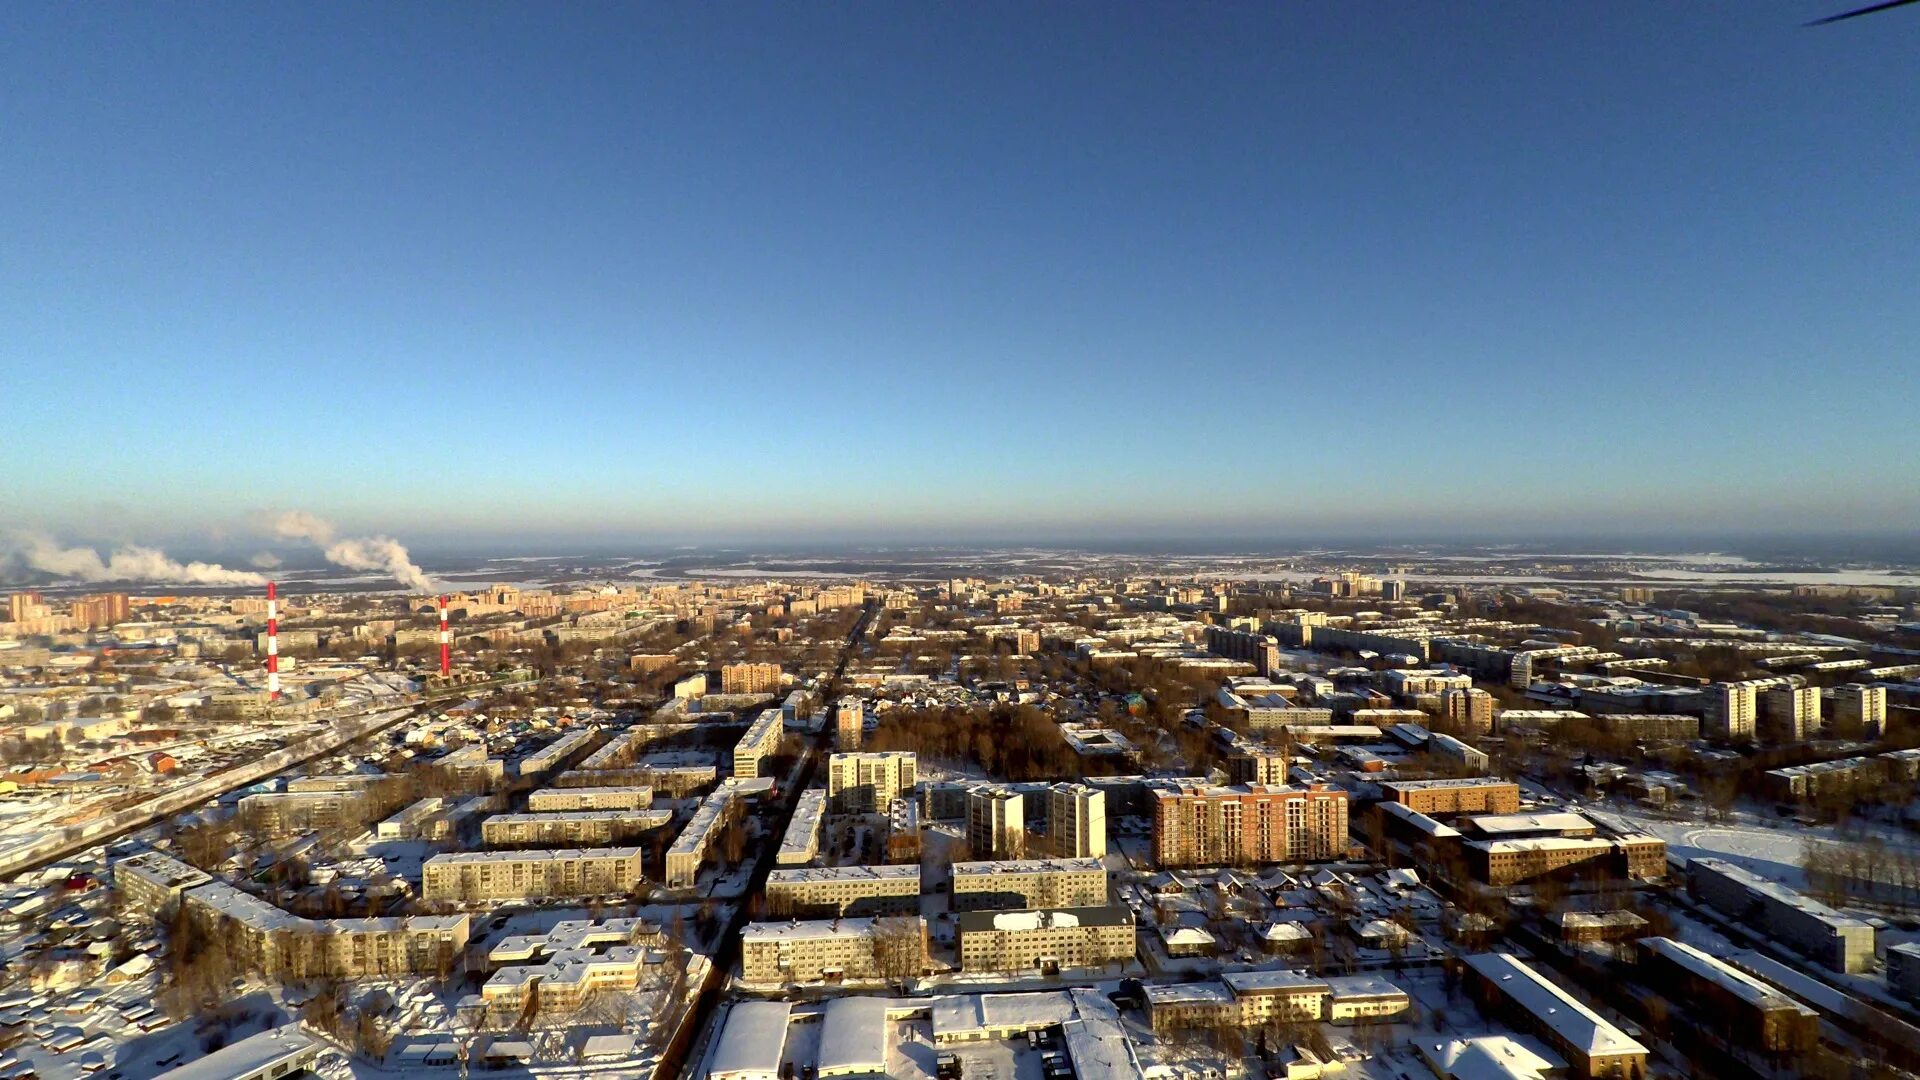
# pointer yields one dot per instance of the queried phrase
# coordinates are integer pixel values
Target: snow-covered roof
(1558, 1010)
(853, 1037)
(752, 1043)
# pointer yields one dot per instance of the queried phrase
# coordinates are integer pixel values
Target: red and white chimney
(273, 642)
(446, 641)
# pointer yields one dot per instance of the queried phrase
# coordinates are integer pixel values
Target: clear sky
(893, 271)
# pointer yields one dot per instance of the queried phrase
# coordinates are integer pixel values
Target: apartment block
(1248, 999)
(1468, 712)
(816, 892)
(1789, 713)
(1501, 863)
(761, 741)
(572, 828)
(1258, 768)
(996, 823)
(1591, 1044)
(1733, 715)
(801, 844)
(562, 800)
(1859, 711)
(750, 679)
(288, 812)
(697, 841)
(1029, 883)
(1045, 942)
(288, 947)
(1474, 795)
(849, 724)
(823, 950)
(1076, 821)
(1248, 824)
(1742, 1009)
(865, 783)
(470, 876)
(1818, 932)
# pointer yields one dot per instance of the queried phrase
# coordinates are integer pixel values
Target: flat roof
(1560, 821)
(250, 1055)
(853, 1036)
(906, 872)
(973, 922)
(1028, 866)
(753, 1041)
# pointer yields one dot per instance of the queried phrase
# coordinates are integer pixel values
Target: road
(679, 1057)
(340, 731)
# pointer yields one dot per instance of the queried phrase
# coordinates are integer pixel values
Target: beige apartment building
(288, 947)
(750, 679)
(866, 783)
(1045, 941)
(1467, 712)
(1076, 822)
(469, 876)
(1256, 998)
(573, 828)
(1029, 883)
(849, 724)
(564, 800)
(282, 812)
(822, 950)
(1257, 768)
(761, 741)
(817, 892)
(1471, 795)
(996, 823)
(697, 841)
(1248, 824)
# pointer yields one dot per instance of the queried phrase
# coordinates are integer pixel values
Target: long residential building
(1741, 1008)
(1472, 795)
(1249, 999)
(288, 947)
(468, 876)
(1045, 941)
(1840, 942)
(695, 842)
(1592, 1045)
(1248, 824)
(801, 843)
(817, 892)
(821, 950)
(574, 828)
(1029, 883)
(561, 800)
(761, 741)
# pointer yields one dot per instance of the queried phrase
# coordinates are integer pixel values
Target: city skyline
(916, 275)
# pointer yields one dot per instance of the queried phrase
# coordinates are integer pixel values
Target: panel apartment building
(868, 783)
(1820, 933)
(469, 876)
(1045, 941)
(561, 800)
(1472, 795)
(285, 946)
(816, 892)
(817, 950)
(1029, 883)
(575, 828)
(1248, 824)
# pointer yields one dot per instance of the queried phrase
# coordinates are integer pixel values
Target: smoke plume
(129, 562)
(354, 552)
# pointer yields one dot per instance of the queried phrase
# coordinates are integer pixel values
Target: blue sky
(887, 271)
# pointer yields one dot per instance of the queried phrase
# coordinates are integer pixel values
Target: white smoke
(354, 552)
(129, 562)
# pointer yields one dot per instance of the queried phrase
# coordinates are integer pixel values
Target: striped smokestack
(273, 642)
(446, 641)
